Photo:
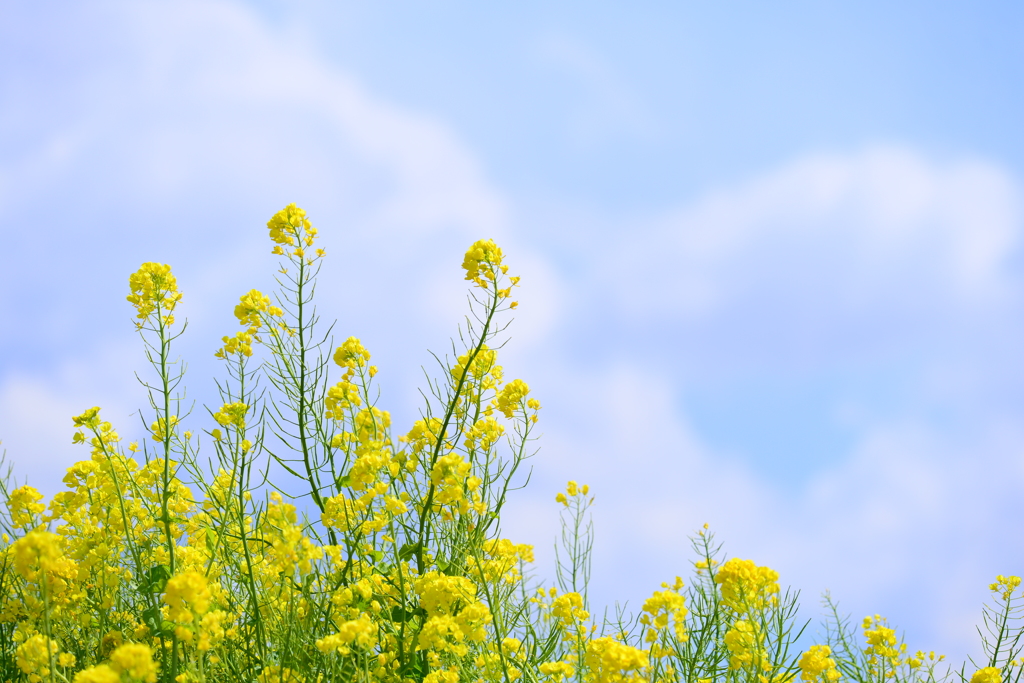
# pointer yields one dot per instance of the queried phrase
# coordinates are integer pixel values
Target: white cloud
(900, 271)
(851, 224)
(607, 105)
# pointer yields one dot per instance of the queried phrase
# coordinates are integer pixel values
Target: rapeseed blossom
(988, 674)
(135, 660)
(816, 665)
(666, 606)
(35, 657)
(154, 289)
(25, 507)
(1005, 586)
(187, 596)
(37, 551)
(746, 586)
(611, 661)
(380, 559)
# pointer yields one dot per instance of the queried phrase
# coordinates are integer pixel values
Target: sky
(771, 253)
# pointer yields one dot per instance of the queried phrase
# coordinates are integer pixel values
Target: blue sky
(771, 254)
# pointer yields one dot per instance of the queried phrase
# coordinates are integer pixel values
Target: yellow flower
(512, 396)
(557, 671)
(743, 641)
(159, 428)
(360, 632)
(153, 287)
(24, 506)
(485, 363)
(240, 344)
(881, 639)
(98, 674)
(480, 262)
(279, 674)
(252, 307)
(568, 609)
(37, 550)
(340, 397)
(190, 587)
(989, 674)
(211, 629)
(610, 661)
(746, 586)
(231, 414)
(817, 665)
(290, 226)
(136, 660)
(442, 676)
(352, 354)
(1005, 585)
(33, 657)
(663, 606)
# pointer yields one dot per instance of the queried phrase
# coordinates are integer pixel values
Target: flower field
(311, 542)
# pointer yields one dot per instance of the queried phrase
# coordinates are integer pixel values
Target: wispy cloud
(605, 105)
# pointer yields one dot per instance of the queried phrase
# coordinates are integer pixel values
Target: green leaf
(412, 669)
(211, 541)
(153, 618)
(156, 578)
(409, 550)
(400, 615)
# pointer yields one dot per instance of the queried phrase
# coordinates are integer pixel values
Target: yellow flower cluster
(279, 674)
(187, 596)
(502, 559)
(232, 415)
(817, 665)
(451, 479)
(663, 607)
(252, 309)
(572, 489)
(290, 227)
(351, 355)
(511, 397)
(154, 289)
(483, 368)
(745, 643)
(881, 640)
(240, 344)
(557, 671)
(35, 657)
(339, 398)
(453, 613)
(481, 262)
(567, 610)
(37, 551)
(361, 632)
(135, 660)
(1004, 586)
(291, 550)
(745, 586)
(159, 428)
(988, 674)
(25, 507)
(611, 661)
